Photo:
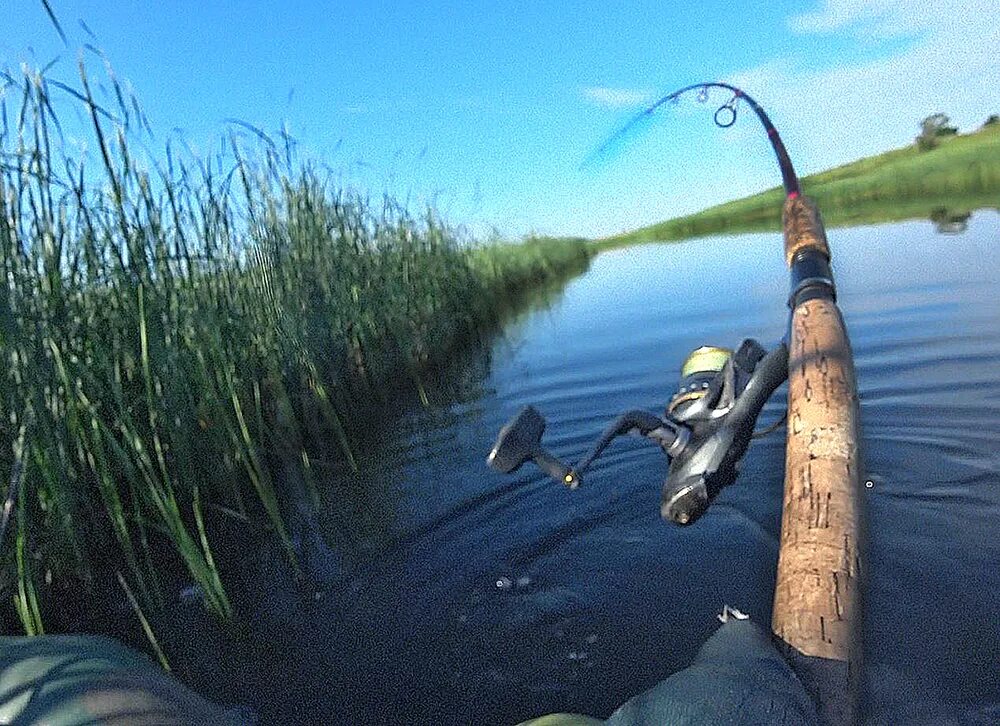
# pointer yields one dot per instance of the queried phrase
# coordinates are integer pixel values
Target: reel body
(706, 430)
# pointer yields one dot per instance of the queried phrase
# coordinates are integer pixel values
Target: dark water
(452, 594)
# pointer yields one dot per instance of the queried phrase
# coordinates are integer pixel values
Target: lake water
(452, 594)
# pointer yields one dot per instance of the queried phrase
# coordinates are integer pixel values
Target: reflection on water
(941, 207)
(948, 221)
(446, 593)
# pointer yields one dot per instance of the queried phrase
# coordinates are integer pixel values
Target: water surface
(452, 594)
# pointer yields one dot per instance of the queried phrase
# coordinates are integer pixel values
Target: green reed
(180, 338)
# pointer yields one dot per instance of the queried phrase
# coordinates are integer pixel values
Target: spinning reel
(705, 432)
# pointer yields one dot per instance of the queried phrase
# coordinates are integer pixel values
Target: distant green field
(962, 174)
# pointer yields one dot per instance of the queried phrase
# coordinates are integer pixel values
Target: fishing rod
(725, 116)
(709, 422)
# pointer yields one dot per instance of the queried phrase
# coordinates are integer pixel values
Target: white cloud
(860, 107)
(881, 19)
(616, 97)
(878, 18)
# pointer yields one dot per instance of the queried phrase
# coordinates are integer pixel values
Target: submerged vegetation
(181, 339)
(961, 173)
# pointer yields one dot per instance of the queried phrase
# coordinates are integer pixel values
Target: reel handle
(555, 468)
(520, 440)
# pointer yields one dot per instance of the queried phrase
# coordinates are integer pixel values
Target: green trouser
(738, 677)
(70, 680)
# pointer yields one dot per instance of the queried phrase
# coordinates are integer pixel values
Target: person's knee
(737, 677)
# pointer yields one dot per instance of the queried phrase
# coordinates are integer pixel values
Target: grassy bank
(179, 340)
(963, 173)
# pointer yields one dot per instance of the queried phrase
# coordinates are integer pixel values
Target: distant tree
(992, 120)
(932, 129)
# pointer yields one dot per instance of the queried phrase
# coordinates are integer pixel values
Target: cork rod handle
(815, 592)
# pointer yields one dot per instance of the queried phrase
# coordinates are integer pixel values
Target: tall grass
(180, 338)
(962, 173)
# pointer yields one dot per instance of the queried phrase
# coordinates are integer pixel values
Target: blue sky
(488, 109)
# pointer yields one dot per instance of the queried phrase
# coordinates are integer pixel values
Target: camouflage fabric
(70, 680)
(738, 677)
